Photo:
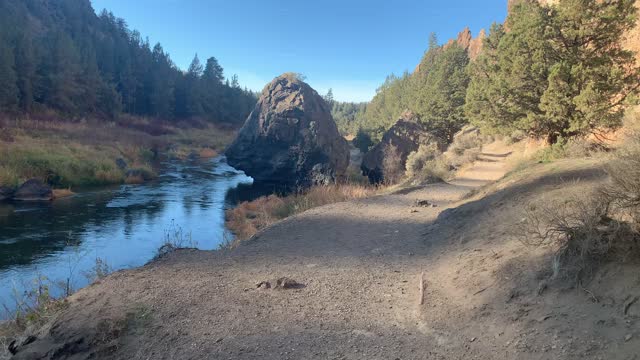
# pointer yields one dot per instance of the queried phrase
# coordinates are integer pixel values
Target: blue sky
(348, 45)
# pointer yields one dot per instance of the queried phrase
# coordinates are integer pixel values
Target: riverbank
(437, 271)
(94, 153)
(249, 217)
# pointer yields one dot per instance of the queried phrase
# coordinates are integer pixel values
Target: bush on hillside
(573, 148)
(624, 170)
(581, 230)
(586, 229)
(427, 165)
(465, 147)
(392, 166)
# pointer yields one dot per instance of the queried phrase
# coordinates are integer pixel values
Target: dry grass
(62, 193)
(465, 147)
(590, 227)
(392, 167)
(84, 153)
(250, 217)
(207, 153)
(427, 165)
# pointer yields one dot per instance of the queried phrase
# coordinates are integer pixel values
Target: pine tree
(510, 76)
(213, 72)
(26, 70)
(440, 100)
(329, 98)
(195, 69)
(433, 41)
(8, 79)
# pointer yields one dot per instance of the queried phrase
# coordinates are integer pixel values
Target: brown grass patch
(62, 193)
(250, 217)
(134, 179)
(84, 153)
(207, 153)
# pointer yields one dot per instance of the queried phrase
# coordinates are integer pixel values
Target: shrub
(515, 136)
(581, 230)
(569, 148)
(588, 228)
(249, 217)
(392, 165)
(427, 165)
(417, 160)
(624, 171)
(174, 239)
(465, 148)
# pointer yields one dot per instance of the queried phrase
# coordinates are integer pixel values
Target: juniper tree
(559, 71)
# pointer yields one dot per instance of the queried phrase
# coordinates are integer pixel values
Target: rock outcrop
(6, 193)
(290, 138)
(472, 45)
(406, 136)
(465, 40)
(34, 190)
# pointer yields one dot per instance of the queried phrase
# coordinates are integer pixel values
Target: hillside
(59, 56)
(358, 266)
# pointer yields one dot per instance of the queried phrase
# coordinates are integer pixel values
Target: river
(123, 226)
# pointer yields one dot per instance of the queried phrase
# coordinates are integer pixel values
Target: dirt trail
(359, 263)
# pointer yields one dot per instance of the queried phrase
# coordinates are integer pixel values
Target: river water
(123, 226)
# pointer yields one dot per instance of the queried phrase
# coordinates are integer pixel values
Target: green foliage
(362, 141)
(567, 148)
(61, 56)
(8, 78)
(560, 70)
(436, 92)
(418, 160)
(439, 93)
(391, 99)
(348, 116)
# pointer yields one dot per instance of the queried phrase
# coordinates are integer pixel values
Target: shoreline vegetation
(69, 155)
(250, 217)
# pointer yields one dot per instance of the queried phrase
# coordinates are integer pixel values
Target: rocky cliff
(466, 41)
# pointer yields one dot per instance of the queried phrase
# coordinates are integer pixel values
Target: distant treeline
(436, 93)
(551, 71)
(59, 55)
(347, 115)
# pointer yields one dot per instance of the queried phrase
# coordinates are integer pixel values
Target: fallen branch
(421, 287)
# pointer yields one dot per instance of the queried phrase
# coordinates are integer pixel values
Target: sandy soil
(359, 263)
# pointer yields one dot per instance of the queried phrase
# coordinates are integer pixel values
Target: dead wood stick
(421, 287)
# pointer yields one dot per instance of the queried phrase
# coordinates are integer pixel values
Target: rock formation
(406, 135)
(33, 190)
(466, 41)
(290, 138)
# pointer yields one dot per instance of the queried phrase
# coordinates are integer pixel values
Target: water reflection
(123, 225)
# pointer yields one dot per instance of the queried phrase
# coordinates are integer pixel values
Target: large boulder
(34, 190)
(290, 138)
(404, 137)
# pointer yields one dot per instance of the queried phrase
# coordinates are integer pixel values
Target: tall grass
(252, 216)
(84, 153)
